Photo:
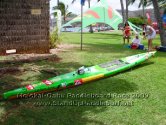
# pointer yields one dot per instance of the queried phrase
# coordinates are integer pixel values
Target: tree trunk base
(25, 58)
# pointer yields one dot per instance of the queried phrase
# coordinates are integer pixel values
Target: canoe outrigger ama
(81, 76)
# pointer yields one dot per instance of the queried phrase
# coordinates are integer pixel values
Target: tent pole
(81, 24)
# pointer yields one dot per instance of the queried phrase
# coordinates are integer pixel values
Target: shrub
(54, 39)
(137, 20)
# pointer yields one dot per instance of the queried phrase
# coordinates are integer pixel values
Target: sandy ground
(34, 57)
(62, 48)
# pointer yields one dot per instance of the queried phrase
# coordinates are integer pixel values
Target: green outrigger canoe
(79, 77)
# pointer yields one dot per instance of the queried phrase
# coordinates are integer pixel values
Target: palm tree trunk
(126, 10)
(64, 16)
(160, 23)
(64, 19)
(89, 3)
(122, 9)
(143, 10)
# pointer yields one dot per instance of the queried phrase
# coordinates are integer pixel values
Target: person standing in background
(126, 33)
(144, 35)
(151, 34)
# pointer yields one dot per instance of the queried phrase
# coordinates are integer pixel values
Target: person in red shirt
(126, 33)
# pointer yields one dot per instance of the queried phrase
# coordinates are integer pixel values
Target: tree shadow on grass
(29, 111)
(50, 114)
(12, 81)
(160, 54)
(143, 65)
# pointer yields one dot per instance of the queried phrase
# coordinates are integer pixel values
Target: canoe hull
(73, 79)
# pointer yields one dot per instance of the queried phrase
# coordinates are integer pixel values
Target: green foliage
(54, 39)
(146, 3)
(64, 10)
(137, 20)
(61, 6)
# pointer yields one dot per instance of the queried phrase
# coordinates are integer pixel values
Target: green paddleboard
(79, 77)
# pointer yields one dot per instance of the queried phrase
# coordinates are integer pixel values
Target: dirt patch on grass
(10, 70)
(63, 48)
(57, 59)
(24, 58)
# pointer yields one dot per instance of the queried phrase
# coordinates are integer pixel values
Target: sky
(75, 8)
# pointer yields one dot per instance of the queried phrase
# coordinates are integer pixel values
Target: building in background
(24, 26)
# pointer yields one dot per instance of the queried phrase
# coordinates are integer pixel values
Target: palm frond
(73, 1)
(69, 13)
(131, 2)
(55, 7)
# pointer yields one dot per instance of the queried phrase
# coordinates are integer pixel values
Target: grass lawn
(138, 96)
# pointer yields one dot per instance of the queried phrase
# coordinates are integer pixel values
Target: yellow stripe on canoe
(91, 78)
